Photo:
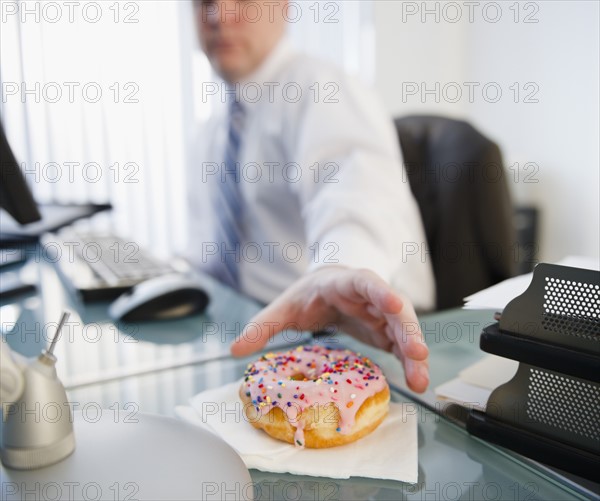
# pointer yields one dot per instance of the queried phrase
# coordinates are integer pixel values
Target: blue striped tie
(229, 200)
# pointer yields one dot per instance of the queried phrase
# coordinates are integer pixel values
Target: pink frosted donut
(314, 396)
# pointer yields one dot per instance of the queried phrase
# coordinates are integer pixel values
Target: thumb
(259, 330)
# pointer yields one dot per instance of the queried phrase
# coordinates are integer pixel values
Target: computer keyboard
(101, 266)
(122, 262)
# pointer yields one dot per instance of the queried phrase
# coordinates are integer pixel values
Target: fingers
(385, 304)
(264, 326)
(407, 346)
(380, 341)
(376, 291)
(407, 332)
(301, 305)
(417, 375)
(362, 286)
(374, 312)
(410, 347)
(358, 300)
(415, 372)
(414, 347)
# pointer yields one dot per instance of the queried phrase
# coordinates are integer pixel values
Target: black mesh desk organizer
(550, 410)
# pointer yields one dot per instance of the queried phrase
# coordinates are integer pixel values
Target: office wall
(410, 52)
(544, 58)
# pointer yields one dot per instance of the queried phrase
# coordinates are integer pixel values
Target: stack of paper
(498, 296)
(473, 386)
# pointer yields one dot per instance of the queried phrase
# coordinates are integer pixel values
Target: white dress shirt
(322, 182)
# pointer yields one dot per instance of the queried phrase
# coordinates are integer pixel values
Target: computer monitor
(15, 196)
(28, 220)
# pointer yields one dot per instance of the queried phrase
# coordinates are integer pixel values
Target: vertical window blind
(101, 101)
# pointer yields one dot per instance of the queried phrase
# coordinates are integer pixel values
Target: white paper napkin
(389, 452)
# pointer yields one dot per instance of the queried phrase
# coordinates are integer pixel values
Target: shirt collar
(252, 90)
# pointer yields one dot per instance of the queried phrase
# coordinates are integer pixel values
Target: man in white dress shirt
(316, 218)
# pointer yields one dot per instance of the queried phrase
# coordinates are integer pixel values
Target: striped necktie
(229, 200)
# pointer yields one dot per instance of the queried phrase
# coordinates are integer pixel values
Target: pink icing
(339, 377)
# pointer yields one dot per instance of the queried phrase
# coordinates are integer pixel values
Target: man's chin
(229, 72)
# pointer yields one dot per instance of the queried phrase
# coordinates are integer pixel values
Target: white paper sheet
(474, 384)
(498, 296)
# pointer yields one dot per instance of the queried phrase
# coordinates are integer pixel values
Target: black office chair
(457, 177)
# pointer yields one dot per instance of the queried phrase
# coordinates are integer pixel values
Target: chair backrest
(457, 177)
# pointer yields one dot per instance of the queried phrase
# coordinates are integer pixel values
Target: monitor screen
(15, 196)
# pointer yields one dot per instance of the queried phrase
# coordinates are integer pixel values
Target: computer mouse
(162, 298)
